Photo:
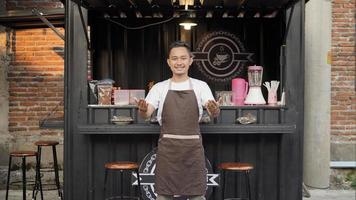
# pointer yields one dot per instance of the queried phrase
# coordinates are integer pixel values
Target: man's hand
(142, 105)
(144, 109)
(213, 108)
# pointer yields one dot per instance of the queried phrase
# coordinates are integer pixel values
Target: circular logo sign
(220, 56)
(147, 172)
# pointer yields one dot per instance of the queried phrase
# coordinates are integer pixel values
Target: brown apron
(180, 168)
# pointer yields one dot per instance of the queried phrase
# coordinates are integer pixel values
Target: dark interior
(129, 39)
(134, 57)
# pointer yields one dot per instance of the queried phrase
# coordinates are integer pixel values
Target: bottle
(113, 95)
(283, 98)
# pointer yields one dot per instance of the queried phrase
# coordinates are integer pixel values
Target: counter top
(205, 129)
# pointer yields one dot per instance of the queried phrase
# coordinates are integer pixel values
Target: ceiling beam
(26, 19)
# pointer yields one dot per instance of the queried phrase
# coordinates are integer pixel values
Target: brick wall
(35, 84)
(35, 80)
(343, 98)
(28, 4)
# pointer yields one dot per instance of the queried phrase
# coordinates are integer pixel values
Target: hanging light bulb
(188, 25)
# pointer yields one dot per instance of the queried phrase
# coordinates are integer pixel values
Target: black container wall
(75, 146)
(134, 57)
(277, 156)
(261, 150)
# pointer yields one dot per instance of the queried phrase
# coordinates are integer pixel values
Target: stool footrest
(49, 187)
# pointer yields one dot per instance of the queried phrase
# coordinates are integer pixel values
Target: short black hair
(179, 44)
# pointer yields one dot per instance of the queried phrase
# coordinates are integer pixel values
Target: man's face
(179, 61)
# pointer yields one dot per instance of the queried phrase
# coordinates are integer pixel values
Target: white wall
(317, 93)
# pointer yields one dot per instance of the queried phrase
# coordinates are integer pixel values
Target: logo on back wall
(220, 56)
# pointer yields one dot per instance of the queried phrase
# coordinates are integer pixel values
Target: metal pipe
(49, 24)
(342, 164)
(288, 25)
(84, 27)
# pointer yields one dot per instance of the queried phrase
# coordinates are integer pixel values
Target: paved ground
(17, 195)
(315, 195)
(318, 194)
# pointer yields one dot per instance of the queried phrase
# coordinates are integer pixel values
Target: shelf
(52, 125)
(205, 129)
(96, 106)
(253, 107)
(245, 107)
(265, 114)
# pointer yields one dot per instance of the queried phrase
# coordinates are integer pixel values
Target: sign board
(147, 173)
(220, 56)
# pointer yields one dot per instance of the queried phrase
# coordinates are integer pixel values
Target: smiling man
(180, 166)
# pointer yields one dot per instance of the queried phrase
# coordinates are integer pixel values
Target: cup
(239, 87)
(136, 94)
(226, 97)
(121, 97)
(272, 98)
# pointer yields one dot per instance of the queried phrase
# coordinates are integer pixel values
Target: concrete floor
(316, 194)
(17, 195)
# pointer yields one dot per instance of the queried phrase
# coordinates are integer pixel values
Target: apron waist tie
(181, 137)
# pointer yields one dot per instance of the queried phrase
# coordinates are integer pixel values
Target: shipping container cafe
(125, 42)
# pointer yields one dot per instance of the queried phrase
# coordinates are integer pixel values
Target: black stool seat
(46, 143)
(53, 144)
(122, 166)
(236, 167)
(23, 155)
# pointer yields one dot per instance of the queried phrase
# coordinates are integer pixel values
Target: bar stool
(52, 144)
(236, 167)
(23, 155)
(122, 166)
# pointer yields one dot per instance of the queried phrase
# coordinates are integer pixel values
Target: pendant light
(188, 25)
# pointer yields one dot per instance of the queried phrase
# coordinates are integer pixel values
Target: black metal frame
(55, 168)
(122, 196)
(246, 174)
(27, 19)
(37, 185)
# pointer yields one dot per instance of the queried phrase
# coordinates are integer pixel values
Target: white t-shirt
(158, 92)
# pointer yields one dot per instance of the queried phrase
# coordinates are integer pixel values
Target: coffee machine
(255, 96)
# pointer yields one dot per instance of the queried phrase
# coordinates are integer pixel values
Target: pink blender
(254, 95)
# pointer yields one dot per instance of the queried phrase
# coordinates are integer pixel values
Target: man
(180, 168)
